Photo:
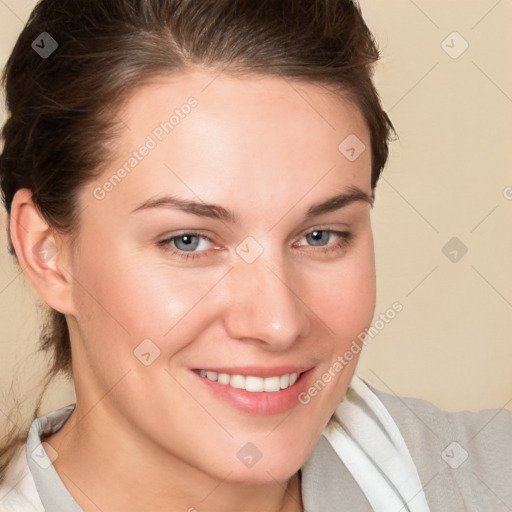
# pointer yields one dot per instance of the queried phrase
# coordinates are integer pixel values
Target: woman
(189, 187)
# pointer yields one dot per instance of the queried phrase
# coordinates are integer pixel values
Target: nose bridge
(265, 305)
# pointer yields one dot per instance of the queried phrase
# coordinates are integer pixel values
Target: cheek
(346, 306)
(346, 298)
(128, 297)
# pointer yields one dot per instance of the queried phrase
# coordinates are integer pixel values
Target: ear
(40, 251)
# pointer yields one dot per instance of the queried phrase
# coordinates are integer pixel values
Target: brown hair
(62, 108)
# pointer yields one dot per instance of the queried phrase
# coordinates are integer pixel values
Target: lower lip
(263, 403)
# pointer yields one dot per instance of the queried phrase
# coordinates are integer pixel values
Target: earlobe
(39, 251)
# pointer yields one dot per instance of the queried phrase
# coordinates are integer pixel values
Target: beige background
(446, 177)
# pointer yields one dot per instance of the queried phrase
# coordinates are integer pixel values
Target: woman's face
(263, 284)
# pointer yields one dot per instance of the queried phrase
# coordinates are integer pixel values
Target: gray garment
(464, 461)
(52, 491)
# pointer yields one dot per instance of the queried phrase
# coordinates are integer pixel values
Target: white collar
(368, 441)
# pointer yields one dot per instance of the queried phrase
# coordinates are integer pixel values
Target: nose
(264, 307)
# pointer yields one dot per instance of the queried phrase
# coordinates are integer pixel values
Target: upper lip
(259, 371)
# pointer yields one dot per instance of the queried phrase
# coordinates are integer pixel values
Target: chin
(268, 469)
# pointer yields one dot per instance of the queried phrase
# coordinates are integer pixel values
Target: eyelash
(346, 238)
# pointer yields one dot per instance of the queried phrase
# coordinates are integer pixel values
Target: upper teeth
(250, 383)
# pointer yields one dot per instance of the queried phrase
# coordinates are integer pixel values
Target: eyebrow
(214, 211)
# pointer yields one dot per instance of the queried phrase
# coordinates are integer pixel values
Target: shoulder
(489, 428)
(18, 492)
(468, 452)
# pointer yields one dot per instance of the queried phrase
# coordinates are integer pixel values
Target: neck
(111, 468)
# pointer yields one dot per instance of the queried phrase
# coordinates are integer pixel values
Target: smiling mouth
(252, 383)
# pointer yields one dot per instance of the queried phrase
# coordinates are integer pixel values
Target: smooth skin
(154, 437)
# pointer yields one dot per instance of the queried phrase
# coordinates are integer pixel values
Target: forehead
(219, 137)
